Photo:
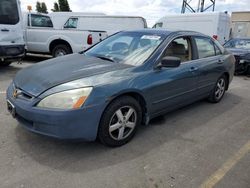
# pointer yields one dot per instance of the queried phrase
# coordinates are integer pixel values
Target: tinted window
(9, 12)
(180, 48)
(40, 21)
(71, 23)
(205, 47)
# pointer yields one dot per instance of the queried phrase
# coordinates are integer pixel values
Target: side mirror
(170, 62)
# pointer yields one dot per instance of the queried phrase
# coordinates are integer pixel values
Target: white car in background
(11, 35)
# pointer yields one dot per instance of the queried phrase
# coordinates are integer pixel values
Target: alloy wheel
(122, 123)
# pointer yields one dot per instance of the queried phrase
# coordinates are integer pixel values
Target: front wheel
(119, 121)
(219, 90)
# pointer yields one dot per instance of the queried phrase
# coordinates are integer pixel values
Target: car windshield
(132, 48)
(238, 43)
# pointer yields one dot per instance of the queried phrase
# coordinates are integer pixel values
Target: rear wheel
(219, 90)
(119, 121)
(61, 50)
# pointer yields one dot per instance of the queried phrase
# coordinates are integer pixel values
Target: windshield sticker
(151, 37)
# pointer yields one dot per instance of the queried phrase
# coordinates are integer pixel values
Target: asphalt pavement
(201, 145)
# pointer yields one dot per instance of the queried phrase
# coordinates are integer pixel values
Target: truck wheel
(119, 121)
(5, 63)
(61, 50)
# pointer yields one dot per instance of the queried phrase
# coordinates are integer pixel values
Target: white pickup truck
(41, 36)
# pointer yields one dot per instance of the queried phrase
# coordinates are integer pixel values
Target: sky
(152, 10)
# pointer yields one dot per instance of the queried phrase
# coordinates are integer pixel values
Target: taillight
(215, 37)
(90, 39)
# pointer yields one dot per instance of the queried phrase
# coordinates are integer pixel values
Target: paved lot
(200, 145)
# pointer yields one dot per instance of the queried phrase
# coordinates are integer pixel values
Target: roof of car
(166, 32)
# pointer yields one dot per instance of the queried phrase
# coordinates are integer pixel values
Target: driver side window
(181, 48)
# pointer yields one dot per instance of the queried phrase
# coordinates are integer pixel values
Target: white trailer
(96, 21)
(214, 24)
(60, 18)
(11, 35)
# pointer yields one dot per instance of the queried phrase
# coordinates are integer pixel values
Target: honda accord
(107, 91)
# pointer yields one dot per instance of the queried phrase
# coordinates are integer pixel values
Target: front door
(174, 87)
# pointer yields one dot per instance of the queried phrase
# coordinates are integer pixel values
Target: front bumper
(79, 124)
(11, 52)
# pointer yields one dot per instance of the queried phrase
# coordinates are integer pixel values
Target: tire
(114, 128)
(5, 63)
(61, 50)
(219, 90)
(248, 70)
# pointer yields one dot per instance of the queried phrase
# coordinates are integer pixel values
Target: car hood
(38, 78)
(237, 51)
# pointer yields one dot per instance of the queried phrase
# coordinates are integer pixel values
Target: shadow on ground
(83, 157)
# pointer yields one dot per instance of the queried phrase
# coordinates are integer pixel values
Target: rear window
(205, 47)
(71, 23)
(9, 12)
(40, 21)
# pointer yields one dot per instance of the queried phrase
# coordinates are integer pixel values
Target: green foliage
(56, 7)
(61, 6)
(41, 7)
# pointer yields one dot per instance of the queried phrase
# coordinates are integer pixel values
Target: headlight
(71, 99)
(242, 61)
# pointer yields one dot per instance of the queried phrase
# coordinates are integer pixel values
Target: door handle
(192, 69)
(220, 61)
(5, 30)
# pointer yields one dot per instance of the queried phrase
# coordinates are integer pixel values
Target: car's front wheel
(219, 90)
(119, 121)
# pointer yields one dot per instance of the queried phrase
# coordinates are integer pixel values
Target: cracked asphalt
(201, 143)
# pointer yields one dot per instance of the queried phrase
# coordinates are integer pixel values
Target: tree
(44, 8)
(56, 7)
(64, 5)
(41, 7)
(61, 5)
(38, 6)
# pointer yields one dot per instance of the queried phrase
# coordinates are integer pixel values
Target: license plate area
(11, 108)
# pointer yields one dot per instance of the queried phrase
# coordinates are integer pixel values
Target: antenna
(202, 7)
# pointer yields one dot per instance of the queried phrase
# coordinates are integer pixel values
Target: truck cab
(11, 32)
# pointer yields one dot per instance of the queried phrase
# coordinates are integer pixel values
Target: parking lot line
(2, 92)
(229, 164)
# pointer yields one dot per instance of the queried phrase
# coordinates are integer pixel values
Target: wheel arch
(58, 42)
(137, 95)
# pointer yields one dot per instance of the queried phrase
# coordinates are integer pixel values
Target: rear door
(209, 61)
(10, 23)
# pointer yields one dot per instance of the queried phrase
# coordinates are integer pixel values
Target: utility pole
(202, 7)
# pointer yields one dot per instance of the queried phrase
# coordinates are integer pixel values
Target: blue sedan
(107, 91)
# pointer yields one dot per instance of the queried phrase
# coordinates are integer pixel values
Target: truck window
(9, 12)
(40, 21)
(71, 23)
(205, 47)
(158, 25)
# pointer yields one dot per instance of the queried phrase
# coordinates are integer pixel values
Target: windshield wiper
(105, 58)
